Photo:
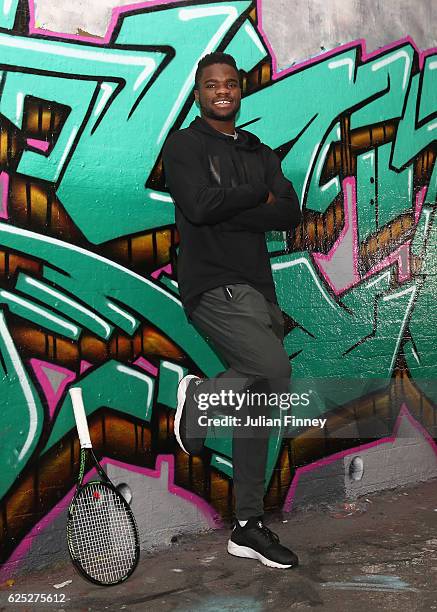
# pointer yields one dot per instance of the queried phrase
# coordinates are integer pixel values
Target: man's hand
(271, 199)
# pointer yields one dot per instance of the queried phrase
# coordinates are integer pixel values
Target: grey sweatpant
(247, 332)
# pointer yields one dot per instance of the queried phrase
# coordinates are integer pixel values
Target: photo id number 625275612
(37, 597)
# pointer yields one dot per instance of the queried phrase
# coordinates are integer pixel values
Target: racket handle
(80, 417)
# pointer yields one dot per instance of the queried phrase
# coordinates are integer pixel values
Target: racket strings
(102, 534)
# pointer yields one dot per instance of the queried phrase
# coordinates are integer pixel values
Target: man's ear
(196, 95)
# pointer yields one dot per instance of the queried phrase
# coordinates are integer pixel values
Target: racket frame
(85, 452)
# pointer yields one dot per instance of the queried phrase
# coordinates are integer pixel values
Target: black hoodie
(220, 186)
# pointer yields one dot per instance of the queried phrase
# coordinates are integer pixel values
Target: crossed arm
(245, 207)
(280, 212)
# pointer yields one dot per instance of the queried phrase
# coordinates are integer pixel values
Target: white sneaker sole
(182, 393)
(249, 553)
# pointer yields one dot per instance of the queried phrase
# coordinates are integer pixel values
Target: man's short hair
(218, 57)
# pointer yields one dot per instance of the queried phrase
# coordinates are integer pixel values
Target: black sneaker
(256, 541)
(189, 434)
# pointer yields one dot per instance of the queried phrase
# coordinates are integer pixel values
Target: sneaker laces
(271, 535)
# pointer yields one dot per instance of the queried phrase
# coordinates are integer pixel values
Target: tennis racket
(101, 532)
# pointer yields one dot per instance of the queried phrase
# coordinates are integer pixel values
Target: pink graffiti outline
(51, 396)
(36, 143)
(404, 412)
(211, 516)
(420, 199)
(164, 270)
(146, 365)
(85, 365)
(404, 272)
(4, 182)
(351, 226)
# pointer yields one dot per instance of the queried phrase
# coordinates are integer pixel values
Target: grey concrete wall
(304, 28)
(408, 459)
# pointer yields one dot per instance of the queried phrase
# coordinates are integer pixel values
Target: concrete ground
(380, 554)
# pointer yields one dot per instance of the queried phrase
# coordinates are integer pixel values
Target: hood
(245, 140)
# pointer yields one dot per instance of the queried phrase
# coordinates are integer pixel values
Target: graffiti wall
(88, 294)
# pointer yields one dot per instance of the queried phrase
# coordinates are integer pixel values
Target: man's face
(219, 93)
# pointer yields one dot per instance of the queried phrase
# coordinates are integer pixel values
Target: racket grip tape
(80, 417)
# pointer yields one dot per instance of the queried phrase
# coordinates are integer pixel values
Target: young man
(229, 190)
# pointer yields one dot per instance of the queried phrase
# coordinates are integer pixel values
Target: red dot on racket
(96, 495)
